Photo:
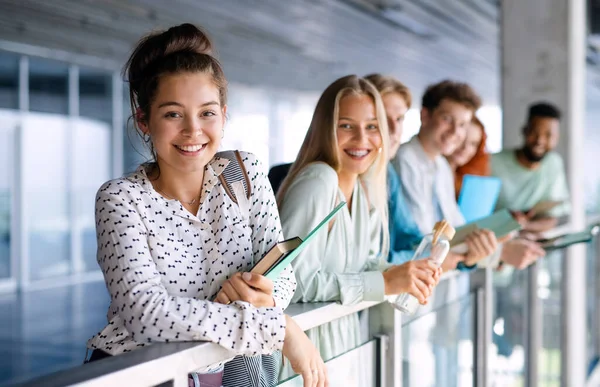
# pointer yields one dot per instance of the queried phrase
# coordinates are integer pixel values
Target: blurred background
(65, 128)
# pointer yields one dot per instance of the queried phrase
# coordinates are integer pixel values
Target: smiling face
(469, 147)
(186, 122)
(358, 135)
(541, 136)
(444, 129)
(395, 110)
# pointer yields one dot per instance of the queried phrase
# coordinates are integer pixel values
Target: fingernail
(247, 276)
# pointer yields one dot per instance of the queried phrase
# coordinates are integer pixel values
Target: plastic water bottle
(434, 246)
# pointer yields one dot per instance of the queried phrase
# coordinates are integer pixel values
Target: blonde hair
(387, 84)
(320, 145)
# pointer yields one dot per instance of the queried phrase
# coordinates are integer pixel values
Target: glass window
(248, 126)
(91, 155)
(48, 86)
(46, 187)
(95, 94)
(9, 80)
(7, 132)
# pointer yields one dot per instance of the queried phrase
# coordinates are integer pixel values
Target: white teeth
(357, 153)
(190, 148)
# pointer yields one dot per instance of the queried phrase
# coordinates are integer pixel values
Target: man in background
(534, 185)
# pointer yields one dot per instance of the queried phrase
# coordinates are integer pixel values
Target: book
(275, 255)
(542, 207)
(283, 253)
(478, 196)
(501, 223)
(566, 240)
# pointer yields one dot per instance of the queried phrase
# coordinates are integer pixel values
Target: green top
(523, 188)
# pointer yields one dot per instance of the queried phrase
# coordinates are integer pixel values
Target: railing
(448, 343)
(167, 364)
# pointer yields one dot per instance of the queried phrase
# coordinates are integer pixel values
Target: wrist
(386, 286)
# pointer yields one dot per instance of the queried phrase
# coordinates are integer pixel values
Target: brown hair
(183, 48)
(454, 91)
(480, 163)
(387, 84)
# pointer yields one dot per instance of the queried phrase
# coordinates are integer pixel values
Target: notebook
(501, 223)
(544, 207)
(478, 196)
(283, 253)
(566, 240)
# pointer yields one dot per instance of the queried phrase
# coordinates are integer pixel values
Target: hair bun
(186, 38)
(153, 48)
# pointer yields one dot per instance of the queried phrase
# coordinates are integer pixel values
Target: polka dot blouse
(163, 265)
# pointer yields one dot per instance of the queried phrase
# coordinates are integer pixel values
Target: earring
(380, 149)
(222, 133)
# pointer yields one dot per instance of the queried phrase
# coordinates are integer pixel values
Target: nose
(454, 127)
(360, 134)
(192, 126)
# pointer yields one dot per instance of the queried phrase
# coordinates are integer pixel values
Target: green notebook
(281, 255)
(566, 240)
(501, 223)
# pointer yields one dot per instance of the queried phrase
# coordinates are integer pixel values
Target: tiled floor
(45, 331)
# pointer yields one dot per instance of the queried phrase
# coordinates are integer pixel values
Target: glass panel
(7, 133)
(509, 327)
(248, 126)
(92, 153)
(438, 345)
(95, 94)
(9, 80)
(355, 368)
(45, 174)
(549, 294)
(48, 86)
(592, 302)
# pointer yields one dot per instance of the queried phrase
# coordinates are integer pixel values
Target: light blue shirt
(404, 232)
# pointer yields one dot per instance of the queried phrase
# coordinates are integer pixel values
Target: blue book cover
(478, 196)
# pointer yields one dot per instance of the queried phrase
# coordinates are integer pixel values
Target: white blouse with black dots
(163, 265)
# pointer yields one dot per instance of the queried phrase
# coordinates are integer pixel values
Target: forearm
(541, 224)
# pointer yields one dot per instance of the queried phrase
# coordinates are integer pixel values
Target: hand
(250, 287)
(414, 277)
(507, 237)
(521, 253)
(451, 261)
(521, 218)
(303, 356)
(530, 235)
(481, 243)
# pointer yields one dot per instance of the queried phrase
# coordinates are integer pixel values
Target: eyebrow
(173, 103)
(350, 119)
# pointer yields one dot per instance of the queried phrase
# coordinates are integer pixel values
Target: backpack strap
(235, 180)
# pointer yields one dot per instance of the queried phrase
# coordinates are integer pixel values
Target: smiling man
(534, 173)
(446, 110)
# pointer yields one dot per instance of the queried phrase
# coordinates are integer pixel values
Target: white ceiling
(288, 44)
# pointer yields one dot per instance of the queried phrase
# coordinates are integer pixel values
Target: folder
(566, 240)
(283, 253)
(478, 196)
(501, 223)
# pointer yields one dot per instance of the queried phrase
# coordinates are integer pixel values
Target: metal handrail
(171, 362)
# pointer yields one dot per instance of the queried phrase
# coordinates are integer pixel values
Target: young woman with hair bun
(175, 245)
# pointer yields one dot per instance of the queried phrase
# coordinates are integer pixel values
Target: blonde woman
(344, 158)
